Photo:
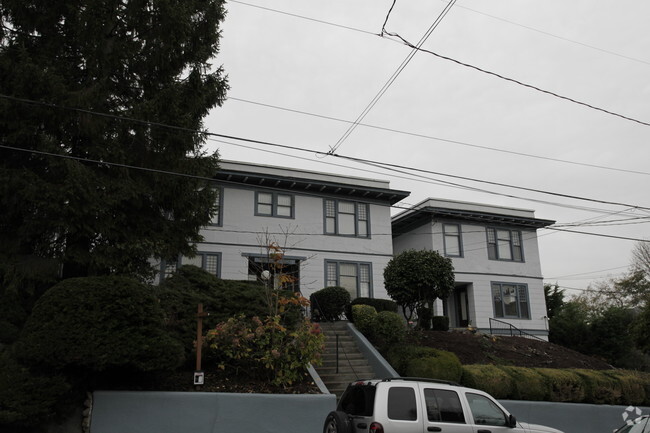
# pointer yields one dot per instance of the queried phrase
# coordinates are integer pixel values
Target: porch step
(345, 365)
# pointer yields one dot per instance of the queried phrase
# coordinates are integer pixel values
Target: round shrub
(488, 378)
(364, 317)
(98, 323)
(565, 385)
(378, 304)
(329, 303)
(434, 364)
(388, 329)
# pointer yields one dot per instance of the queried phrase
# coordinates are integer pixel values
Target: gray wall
(570, 417)
(205, 412)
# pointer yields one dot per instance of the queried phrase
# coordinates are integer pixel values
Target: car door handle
(484, 431)
(434, 429)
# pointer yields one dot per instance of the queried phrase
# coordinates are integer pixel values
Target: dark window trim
(357, 221)
(459, 236)
(353, 262)
(274, 204)
(219, 215)
(517, 286)
(179, 262)
(494, 254)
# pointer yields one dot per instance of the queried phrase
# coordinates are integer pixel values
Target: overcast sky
(301, 71)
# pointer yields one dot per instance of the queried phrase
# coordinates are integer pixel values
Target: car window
(401, 404)
(443, 405)
(485, 411)
(358, 400)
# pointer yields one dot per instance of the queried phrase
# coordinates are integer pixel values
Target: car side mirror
(512, 421)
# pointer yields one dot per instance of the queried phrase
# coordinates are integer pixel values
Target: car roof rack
(421, 379)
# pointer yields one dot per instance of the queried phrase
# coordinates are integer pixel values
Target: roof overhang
(311, 186)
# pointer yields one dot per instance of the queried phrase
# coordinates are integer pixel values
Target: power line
(445, 140)
(386, 166)
(530, 86)
(393, 77)
(512, 80)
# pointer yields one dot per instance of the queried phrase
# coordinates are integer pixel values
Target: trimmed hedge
(364, 317)
(440, 323)
(418, 361)
(378, 304)
(388, 329)
(98, 323)
(329, 303)
(615, 387)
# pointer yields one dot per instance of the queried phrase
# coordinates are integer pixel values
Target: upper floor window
(216, 218)
(353, 276)
(347, 218)
(510, 301)
(452, 240)
(504, 244)
(274, 204)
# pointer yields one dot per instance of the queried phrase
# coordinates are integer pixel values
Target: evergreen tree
(68, 189)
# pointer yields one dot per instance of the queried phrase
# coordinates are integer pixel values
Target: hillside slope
(517, 351)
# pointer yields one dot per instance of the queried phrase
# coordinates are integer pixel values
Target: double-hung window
(347, 218)
(217, 216)
(510, 301)
(209, 262)
(355, 277)
(452, 240)
(504, 244)
(274, 204)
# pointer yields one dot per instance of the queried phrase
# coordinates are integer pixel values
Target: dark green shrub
(434, 364)
(364, 317)
(378, 304)
(27, 398)
(181, 293)
(488, 378)
(527, 383)
(424, 317)
(440, 323)
(631, 385)
(388, 329)
(329, 303)
(565, 385)
(98, 323)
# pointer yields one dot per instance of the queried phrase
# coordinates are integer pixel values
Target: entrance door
(462, 306)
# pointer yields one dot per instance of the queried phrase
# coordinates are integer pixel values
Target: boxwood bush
(435, 364)
(378, 304)
(364, 317)
(489, 378)
(97, 323)
(329, 303)
(388, 329)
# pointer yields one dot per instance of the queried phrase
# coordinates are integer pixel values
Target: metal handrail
(513, 330)
(336, 334)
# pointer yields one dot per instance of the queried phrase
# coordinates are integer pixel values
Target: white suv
(414, 405)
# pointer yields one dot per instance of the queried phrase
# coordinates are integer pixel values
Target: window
(274, 204)
(485, 411)
(353, 276)
(453, 245)
(504, 244)
(510, 300)
(216, 218)
(401, 404)
(210, 262)
(347, 218)
(285, 275)
(443, 406)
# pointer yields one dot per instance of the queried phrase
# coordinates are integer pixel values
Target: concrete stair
(352, 364)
